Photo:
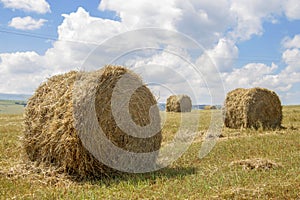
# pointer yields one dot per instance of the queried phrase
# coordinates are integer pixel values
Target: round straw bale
(179, 103)
(253, 108)
(50, 136)
(207, 107)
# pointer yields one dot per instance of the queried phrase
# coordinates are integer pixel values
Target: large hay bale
(50, 136)
(179, 103)
(253, 108)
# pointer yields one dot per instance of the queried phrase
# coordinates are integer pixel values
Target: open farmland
(11, 107)
(244, 164)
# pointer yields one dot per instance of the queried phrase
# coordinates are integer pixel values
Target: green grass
(212, 177)
(10, 107)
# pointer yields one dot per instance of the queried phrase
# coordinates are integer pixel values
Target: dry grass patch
(187, 178)
(256, 164)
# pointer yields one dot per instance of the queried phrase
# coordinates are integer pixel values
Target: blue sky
(267, 47)
(252, 43)
(12, 42)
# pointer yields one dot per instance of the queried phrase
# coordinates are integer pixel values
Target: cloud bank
(216, 27)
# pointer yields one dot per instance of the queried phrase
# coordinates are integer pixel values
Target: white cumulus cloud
(205, 21)
(248, 76)
(292, 58)
(289, 43)
(143, 13)
(217, 27)
(26, 23)
(262, 75)
(291, 55)
(292, 8)
(21, 62)
(38, 6)
(21, 72)
(78, 35)
(222, 56)
(251, 14)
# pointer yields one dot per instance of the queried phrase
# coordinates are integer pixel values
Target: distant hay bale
(179, 103)
(253, 108)
(210, 107)
(50, 137)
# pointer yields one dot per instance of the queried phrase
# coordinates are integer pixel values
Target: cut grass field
(244, 164)
(11, 107)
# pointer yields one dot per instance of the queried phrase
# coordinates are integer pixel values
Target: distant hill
(24, 97)
(18, 97)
